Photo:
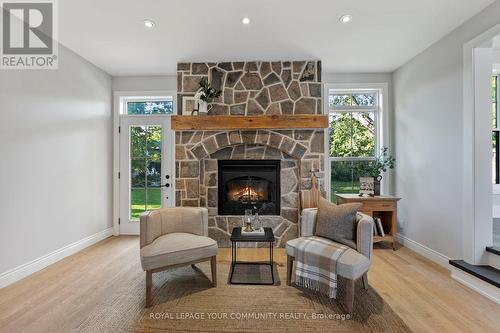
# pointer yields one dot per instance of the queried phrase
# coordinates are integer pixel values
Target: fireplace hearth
(249, 184)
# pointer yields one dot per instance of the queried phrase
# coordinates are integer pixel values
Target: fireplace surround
(251, 88)
(249, 184)
(197, 181)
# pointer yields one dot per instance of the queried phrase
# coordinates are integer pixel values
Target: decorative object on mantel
(211, 123)
(205, 95)
(366, 186)
(381, 164)
(188, 105)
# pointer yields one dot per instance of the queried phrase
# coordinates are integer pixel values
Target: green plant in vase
(378, 167)
(205, 95)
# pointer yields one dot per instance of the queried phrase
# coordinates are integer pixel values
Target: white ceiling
(383, 35)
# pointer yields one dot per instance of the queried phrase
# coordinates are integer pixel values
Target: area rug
(184, 301)
(255, 274)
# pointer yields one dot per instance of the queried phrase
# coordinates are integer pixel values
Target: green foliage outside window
(352, 138)
(155, 107)
(352, 135)
(145, 168)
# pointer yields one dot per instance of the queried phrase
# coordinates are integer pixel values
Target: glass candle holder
(247, 220)
(257, 223)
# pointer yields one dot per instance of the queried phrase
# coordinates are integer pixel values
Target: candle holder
(247, 219)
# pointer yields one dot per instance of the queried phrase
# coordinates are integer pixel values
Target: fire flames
(245, 194)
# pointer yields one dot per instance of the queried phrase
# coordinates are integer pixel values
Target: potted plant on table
(380, 165)
(205, 95)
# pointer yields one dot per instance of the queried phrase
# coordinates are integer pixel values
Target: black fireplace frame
(269, 170)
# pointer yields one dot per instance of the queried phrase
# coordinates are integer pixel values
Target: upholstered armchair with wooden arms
(172, 237)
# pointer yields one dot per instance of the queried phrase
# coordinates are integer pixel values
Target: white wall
(56, 158)
(357, 78)
(144, 83)
(428, 104)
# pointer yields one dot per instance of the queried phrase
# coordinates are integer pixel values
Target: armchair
(353, 264)
(172, 237)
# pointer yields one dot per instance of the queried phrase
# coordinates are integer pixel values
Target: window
(353, 136)
(145, 169)
(157, 105)
(495, 157)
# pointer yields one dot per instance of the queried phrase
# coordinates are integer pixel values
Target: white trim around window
(382, 128)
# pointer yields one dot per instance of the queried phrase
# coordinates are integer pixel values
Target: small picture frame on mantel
(366, 186)
(188, 105)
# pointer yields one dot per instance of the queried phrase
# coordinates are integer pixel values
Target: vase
(202, 107)
(376, 187)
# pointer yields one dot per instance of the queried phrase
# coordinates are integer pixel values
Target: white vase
(202, 107)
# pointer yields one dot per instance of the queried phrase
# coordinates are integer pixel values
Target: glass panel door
(145, 168)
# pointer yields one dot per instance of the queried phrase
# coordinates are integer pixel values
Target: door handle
(167, 185)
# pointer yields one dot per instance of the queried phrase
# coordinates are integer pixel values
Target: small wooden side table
(384, 207)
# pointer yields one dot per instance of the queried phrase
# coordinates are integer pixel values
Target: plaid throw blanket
(316, 260)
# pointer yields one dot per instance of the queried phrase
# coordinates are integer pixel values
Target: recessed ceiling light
(345, 18)
(246, 20)
(149, 24)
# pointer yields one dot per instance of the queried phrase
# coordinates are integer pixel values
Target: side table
(236, 237)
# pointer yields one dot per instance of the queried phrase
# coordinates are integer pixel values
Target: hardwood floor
(58, 297)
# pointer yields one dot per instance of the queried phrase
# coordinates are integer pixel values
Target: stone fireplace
(251, 88)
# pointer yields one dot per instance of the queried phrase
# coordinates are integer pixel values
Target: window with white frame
(148, 105)
(353, 137)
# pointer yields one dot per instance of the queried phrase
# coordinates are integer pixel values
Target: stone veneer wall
(256, 87)
(250, 88)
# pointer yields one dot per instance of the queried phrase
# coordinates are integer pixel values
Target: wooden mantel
(187, 123)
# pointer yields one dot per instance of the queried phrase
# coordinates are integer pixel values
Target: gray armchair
(352, 265)
(172, 237)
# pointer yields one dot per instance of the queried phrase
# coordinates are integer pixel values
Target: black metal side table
(237, 236)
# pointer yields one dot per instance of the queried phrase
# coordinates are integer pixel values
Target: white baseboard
(33, 266)
(487, 290)
(425, 251)
(478, 285)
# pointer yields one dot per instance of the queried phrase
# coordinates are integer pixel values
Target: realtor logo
(29, 38)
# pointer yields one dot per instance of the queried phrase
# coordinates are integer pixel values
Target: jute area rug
(184, 301)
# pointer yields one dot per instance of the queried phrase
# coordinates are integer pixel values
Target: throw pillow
(337, 222)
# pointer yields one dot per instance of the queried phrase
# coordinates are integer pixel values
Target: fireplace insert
(249, 184)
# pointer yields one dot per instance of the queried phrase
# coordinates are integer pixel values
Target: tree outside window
(353, 138)
(153, 107)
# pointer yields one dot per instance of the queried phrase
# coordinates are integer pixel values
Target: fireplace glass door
(249, 184)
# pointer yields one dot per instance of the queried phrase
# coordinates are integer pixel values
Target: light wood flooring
(57, 298)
